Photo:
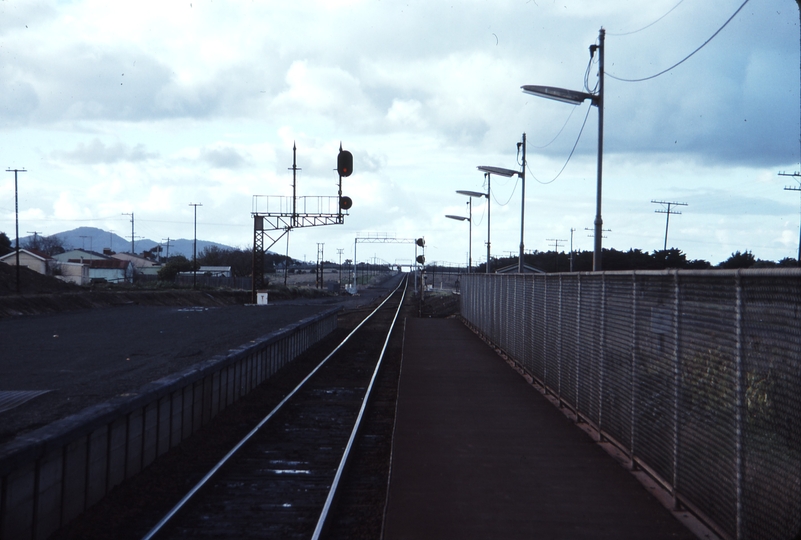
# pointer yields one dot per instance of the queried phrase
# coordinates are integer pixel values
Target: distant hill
(94, 239)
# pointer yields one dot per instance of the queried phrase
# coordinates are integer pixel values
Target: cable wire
(559, 133)
(510, 196)
(649, 25)
(568, 157)
(686, 57)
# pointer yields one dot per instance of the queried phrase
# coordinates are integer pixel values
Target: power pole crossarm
(797, 176)
(668, 212)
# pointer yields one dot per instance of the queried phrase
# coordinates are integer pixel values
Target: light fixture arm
(575, 98)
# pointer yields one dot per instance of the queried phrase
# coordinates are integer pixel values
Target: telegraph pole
(168, 247)
(319, 271)
(194, 249)
(556, 248)
(797, 176)
(572, 230)
(35, 238)
(16, 216)
(340, 251)
(667, 217)
(132, 231)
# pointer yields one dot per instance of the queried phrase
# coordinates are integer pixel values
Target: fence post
(578, 347)
(633, 376)
(739, 407)
(602, 350)
(676, 382)
(545, 318)
(559, 343)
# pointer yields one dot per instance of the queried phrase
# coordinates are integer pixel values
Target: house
(215, 271)
(78, 255)
(71, 272)
(138, 261)
(142, 266)
(110, 270)
(513, 268)
(43, 264)
(30, 258)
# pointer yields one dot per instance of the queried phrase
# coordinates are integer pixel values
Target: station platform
(480, 453)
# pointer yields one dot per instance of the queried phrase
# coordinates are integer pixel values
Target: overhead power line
(648, 25)
(686, 57)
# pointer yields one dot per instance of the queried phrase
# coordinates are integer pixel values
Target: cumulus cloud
(223, 158)
(97, 152)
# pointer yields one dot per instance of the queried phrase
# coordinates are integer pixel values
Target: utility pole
(319, 272)
(35, 238)
(133, 251)
(194, 249)
(168, 244)
(340, 251)
(667, 216)
(572, 230)
(556, 248)
(16, 216)
(797, 176)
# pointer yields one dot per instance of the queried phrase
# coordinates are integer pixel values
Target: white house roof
(35, 254)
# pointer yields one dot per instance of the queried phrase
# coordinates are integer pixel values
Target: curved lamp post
(574, 97)
(469, 221)
(479, 194)
(509, 173)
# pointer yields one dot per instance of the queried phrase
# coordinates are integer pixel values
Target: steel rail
(192, 492)
(318, 530)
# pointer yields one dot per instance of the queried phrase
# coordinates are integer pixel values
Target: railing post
(578, 348)
(545, 333)
(559, 349)
(602, 350)
(676, 382)
(739, 407)
(633, 375)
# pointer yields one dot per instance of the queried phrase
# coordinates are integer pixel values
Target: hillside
(94, 239)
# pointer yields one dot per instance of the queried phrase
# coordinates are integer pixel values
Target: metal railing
(696, 374)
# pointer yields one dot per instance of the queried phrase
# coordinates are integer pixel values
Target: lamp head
(500, 171)
(564, 95)
(471, 193)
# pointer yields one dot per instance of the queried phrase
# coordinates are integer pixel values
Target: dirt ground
(84, 347)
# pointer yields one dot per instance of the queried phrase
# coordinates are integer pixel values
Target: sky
(145, 108)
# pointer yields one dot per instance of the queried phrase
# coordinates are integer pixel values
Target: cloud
(96, 152)
(223, 157)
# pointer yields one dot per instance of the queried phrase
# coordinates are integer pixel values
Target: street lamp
(509, 173)
(487, 195)
(469, 221)
(574, 97)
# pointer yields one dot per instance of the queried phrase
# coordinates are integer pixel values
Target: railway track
(281, 480)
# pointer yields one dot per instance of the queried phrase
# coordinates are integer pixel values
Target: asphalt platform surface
(479, 453)
(82, 358)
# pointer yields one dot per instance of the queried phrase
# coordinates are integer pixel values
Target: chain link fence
(695, 374)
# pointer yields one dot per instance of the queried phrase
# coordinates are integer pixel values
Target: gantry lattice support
(275, 216)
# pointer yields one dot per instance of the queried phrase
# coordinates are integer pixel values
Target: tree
(174, 265)
(739, 260)
(5, 244)
(49, 245)
(670, 258)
